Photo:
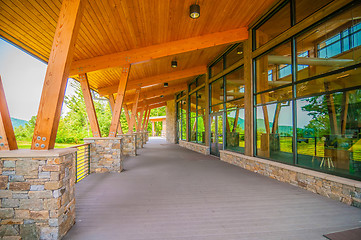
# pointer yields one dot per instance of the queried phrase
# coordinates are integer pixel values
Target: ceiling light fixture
(194, 11)
(165, 84)
(161, 96)
(174, 64)
(239, 51)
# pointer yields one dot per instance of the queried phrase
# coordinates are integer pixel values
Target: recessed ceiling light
(174, 64)
(194, 11)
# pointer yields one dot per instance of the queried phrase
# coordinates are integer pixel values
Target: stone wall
(105, 154)
(341, 189)
(195, 147)
(139, 140)
(37, 193)
(171, 122)
(128, 144)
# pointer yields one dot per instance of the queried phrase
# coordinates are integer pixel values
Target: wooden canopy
(124, 40)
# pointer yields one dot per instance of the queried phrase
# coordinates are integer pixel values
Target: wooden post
(140, 119)
(187, 116)
(248, 98)
(57, 73)
(207, 127)
(112, 104)
(119, 101)
(145, 117)
(89, 105)
(126, 114)
(146, 125)
(134, 110)
(7, 135)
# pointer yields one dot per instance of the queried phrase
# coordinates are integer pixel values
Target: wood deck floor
(168, 192)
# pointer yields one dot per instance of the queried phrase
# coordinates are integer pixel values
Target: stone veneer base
(105, 154)
(341, 189)
(195, 147)
(129, 147)
(37, 193)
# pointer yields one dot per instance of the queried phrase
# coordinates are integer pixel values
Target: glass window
(201, 80)
(217, 68)
(217, 92)
(275, 131)
(235, 84)
(274, 68)
(330, 46)
(200, 129)
(234, 56)
(235, 130)
(274, 26)
(305, 8)
(193, 104)
(192, 85)
(329, 132)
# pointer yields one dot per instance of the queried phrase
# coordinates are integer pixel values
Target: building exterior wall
(195, 147)
(171, 122)
(341, 189)
(37, 193)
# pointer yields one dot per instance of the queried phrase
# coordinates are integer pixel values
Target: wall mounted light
(165, 84)
(174, 64)
(161, 96)
(194, 11)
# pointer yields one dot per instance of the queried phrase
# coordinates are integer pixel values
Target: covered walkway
(168, 192)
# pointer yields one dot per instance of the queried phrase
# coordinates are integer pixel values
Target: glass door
(216, 133)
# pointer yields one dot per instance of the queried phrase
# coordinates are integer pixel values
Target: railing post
(88, 158)
(76, 166)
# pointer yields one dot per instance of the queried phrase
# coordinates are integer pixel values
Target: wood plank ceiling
(113, 26)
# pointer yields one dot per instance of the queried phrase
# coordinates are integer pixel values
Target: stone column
(129, 147)
(37, 193)
(105, 154)
(139, 140)
(171, 122)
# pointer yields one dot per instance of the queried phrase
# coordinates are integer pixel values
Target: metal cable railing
(82, 161)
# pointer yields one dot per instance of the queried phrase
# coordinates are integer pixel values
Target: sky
(22, 76)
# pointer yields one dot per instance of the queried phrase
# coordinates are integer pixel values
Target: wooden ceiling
(122, 27)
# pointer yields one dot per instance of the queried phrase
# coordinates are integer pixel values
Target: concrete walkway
(170, 193)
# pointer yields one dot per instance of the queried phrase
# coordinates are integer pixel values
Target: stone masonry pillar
(37, 193)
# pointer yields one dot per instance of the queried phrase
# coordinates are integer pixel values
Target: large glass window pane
(217, 108)
(235, 84)
(330, 46)
(193, 104)
(347, 79)
(277, 24)
(281, 94)
(235, 130)
(305, 8)
(201, 97)
(193, 129)
(234, 56)
(275, 131)
(217, 92)
(201, 80)
(200, 129)
(217, 68)
(274, 69)
(329, 133)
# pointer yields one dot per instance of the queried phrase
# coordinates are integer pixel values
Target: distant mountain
(18, 122)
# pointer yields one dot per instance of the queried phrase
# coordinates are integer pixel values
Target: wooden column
(7, 135)
(89, 105)
(140, 119)
(187, 116)
(145, 117)
(126, 114)
(57, 73)
(146, 124)
(248, 98)
(134, 110)
(119, 101)
(112, 104)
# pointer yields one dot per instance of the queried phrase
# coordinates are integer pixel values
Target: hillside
(18, 122)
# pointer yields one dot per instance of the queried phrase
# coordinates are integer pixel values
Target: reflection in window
(197, 111)
(217, 92)
(181, 118)
(329, 132)
(235, 84)
(235, 126)
(275, 131)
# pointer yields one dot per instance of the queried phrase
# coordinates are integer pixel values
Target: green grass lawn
(27, 145)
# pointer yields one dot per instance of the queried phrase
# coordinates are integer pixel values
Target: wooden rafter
(157, 91)
(157, 51)
(156, 100)
(145, 116)
(89, 105)
(7, 136)
(57, 73)
(134, 110)
(154, 80)
(119, 101)
(126, 111)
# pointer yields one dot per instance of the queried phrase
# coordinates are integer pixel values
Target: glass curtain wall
(181, 117)
(197, 103)
(308, 92)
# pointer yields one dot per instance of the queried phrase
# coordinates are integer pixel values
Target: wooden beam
(89, 105)
(157, 91)
(112, 104)
(140, 118)
(156, 100)
(7, 135)
(134, 56)
(57, 73)
(248, 98)
(119, 101)
(126, 111)
(146, 125)
(158, 79)
(145, 116)
(134, 110)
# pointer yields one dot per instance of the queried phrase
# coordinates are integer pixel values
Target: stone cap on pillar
(27, 153)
